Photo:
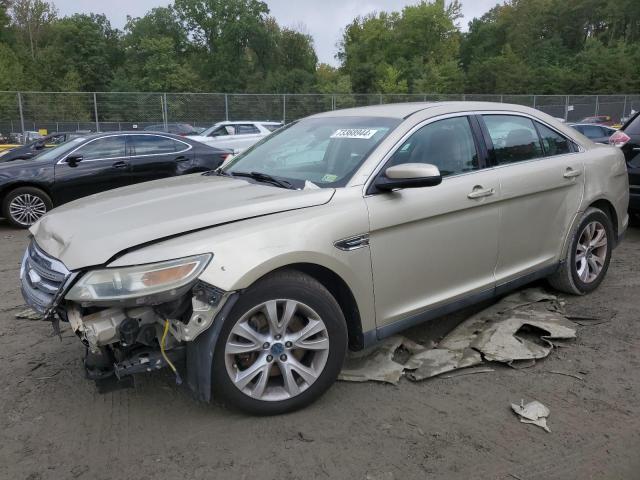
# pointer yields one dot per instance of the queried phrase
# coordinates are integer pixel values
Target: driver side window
(448, 144)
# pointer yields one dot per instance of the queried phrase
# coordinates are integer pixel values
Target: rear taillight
(619, 139)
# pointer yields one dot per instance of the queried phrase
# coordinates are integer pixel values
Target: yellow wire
(164, 355)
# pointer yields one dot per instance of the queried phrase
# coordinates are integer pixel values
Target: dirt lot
(53, 424)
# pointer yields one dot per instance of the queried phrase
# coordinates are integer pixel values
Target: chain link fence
(22, 112)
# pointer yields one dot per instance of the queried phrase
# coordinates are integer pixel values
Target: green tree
(11, 72)
(84, 44)
(226, 33)
(32, 17)
(387, 51)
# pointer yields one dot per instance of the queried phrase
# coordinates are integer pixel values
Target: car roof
(131, 132)
(235, 122)
(404, 110)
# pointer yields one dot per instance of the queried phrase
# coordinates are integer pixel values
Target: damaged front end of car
(132, 319)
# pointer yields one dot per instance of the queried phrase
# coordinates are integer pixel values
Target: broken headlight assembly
(146, 284)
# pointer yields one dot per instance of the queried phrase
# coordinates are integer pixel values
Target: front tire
(24, 206)
(282, 346)
(588, 256)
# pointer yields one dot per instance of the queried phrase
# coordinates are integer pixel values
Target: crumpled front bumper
(44, 280)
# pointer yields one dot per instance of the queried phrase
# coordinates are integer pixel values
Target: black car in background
(182, 129)
(38, 146)
(597, 133)
(94, 163)
(628, 139)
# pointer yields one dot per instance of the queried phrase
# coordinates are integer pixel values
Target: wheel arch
(6, 189)
(607, 207)
(340, 290)
(600, 203)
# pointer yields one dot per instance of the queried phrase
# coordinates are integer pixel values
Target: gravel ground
(53, 424)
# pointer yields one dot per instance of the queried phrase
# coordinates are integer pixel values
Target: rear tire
(588, 255)
(24, 206)
(293, 360)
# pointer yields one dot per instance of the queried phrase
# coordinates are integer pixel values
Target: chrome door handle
(120, 165)
(571, 173)
(479, 192)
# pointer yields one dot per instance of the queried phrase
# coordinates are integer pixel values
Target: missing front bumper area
(121, 342)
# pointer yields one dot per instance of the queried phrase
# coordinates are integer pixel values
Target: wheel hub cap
(277, 350)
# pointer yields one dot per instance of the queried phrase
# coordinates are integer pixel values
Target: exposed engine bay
(122, 341)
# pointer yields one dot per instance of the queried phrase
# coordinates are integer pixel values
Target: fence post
(566, 108)
(226, 107)
(534, 101)
(166, 113)
(21, 114)
(164, 120)
(333, 102)
(95, 110)
(624, 107)
(597, 104)
(380, 99)
(284, 108)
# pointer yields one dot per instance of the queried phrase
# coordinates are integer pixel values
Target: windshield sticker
(363, 133)
(330, 178)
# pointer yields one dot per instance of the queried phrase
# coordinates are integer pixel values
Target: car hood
(92, 230)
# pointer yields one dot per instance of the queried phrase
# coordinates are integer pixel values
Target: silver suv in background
(335, 232)
(236, 136)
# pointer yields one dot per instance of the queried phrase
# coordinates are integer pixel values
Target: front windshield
(326, 151)
(61, 149)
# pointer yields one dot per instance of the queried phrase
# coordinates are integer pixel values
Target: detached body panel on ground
(341, 229)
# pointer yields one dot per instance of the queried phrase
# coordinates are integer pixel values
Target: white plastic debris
(519, 328)
(28, 314)
(534, 413)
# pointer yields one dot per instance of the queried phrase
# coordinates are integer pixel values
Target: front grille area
(41, 277)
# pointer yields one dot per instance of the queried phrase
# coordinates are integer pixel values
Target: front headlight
(139, 282)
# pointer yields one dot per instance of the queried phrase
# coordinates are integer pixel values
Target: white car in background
(236, 136)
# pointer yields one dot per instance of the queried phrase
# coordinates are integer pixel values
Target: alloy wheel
(277, 350)
(591, 251)
(26, 208)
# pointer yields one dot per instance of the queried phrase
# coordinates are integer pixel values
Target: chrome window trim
(189, 147)
(445, 116)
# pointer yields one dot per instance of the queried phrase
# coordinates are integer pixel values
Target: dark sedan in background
(94, 163)
(597, 133)
(38, 146)
(628, 140)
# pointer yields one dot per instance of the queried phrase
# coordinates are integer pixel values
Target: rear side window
(514, 138)
(552, 142)
(246, 129)
(152, 144)
(103, 148)
(271, 127)
(448, 144)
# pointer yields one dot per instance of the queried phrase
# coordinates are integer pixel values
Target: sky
(324, 20)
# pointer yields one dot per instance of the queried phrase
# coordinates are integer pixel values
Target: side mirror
(39, 145)
(73, 160)
(409, 175)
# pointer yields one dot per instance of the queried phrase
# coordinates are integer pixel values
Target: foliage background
(520, 46)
